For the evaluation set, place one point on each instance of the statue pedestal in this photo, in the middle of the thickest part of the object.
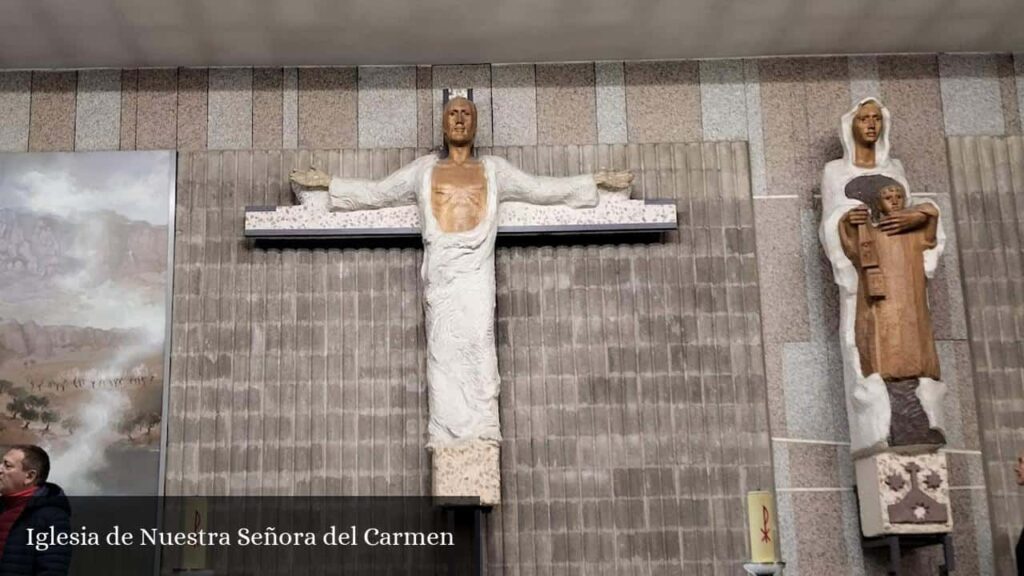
(469, 469)
(904, 494)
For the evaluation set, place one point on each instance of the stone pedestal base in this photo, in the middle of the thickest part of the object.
(470, 469)
(904, 494)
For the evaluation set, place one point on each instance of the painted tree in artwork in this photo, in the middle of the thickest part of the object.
(127, 426)
(16, 406)
(149, 420)
(29, 415)
(28, 407)
(6, 386)
(48, 417)
(70, 424)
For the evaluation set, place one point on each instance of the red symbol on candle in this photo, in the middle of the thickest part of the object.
(765, 530)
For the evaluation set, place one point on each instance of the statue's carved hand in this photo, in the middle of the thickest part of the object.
(857, 216)
(312, 178)
(902, 221)
(614, 181)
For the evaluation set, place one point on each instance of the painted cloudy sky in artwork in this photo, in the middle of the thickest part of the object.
(88, 230)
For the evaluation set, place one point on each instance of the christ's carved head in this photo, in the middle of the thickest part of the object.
(459, 121)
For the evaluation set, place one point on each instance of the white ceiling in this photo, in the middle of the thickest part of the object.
(128, 33)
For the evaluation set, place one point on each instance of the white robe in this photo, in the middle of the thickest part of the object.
(458, 283)
(867, 397)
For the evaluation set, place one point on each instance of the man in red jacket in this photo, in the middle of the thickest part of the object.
(28, 501)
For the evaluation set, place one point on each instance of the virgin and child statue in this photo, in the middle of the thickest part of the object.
(883, 246)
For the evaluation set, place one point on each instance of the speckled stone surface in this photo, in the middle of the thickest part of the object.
(1018, 70)
(780, 266)
(910, 89)
(981, 538)
(663, 101)
(610, 79)
(468, 469)
(313, 215)
(971, 101)
(267, 108)
(972, 536)
(424, 107)
(808, 465)
(231, 108)
(776, 387)
(129, 108)
(514, 98)
(566, 104)
(818, 528)
(475, 76)
(193, 108)
(876, 495)
(755, 128)
(960, 404)
(98, 110)
(962, 375)
(952, 410)
(156, 118)
(327, 108)
(15, 110)
(863, 78)
(787, 531)
(855, 557)
(387, 107)
(784, 124)
(1008, 93)
(966, 469)
(290, 109)
(723, 100)
(826, 98)
(815, 394)
(52, 122)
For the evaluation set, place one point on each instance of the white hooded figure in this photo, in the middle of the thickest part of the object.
(458, 259)
(458, 285)
(868, 404)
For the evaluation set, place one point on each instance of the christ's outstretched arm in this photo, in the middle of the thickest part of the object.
(348, 194)
(577, 191)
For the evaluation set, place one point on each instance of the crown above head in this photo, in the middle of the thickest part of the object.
(449, 93)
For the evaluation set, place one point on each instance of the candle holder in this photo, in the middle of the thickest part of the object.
(764, 568)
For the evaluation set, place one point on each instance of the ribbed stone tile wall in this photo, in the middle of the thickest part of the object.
(988, 185)
(633, 398)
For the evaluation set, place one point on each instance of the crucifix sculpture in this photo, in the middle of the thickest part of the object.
(457, 198)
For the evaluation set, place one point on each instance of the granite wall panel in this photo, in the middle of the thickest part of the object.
(52, 122)
(268, 108)
(156, 125)
(15, 110)
(193, 108)
(231, 113)
(663, 101)
(566, 104)
(98, 110)
(327, 107)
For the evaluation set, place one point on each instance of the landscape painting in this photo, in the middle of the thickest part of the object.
(84, 285)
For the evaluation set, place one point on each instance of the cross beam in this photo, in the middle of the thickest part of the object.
(514, 219)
